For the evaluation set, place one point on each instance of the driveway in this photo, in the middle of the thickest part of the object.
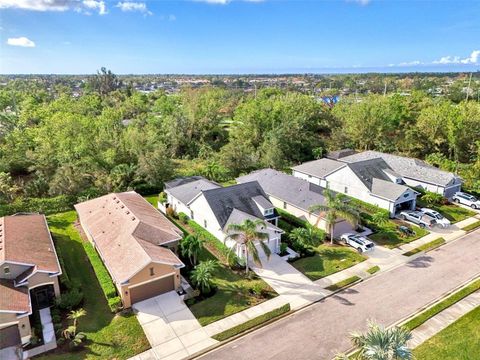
(321, 330)
(288, 282)
(170, 327)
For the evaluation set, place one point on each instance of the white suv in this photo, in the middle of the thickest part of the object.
(466, 199)
(440, 219)
(358, 242)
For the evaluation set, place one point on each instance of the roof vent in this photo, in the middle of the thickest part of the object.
(117, 201)
(133, 218)
(122, 206)
(127, 212)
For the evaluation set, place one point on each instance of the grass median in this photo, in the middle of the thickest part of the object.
(426, 247)
(343, 283)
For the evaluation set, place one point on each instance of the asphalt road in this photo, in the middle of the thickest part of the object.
(321, 330)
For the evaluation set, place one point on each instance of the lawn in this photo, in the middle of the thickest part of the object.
(152, 199)
(452, 212)
(388, 234)
(461, 340)
(234, 293)
(109, 336)
(327, 260)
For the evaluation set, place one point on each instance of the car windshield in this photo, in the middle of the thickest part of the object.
(439, 216)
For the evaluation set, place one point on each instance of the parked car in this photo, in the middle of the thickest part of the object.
(439, 218)
(466, 199)
(358, 242)
(419, 218)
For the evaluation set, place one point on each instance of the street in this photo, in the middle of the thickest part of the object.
(322, 330)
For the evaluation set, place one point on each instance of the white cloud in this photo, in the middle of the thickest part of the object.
(81, 6)
(95, 5)
(134, 6)
(472, 59)
(410, 63)
(225, 2)
(37, 5)
(360, 2)
(21, 41)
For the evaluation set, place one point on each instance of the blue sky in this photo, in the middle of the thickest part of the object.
(221, 36)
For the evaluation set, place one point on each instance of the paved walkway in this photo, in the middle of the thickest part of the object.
(444, 319)
(170, 327)
(48, 333)
(288, 282)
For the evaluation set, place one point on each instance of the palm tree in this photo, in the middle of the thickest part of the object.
(380, 218)
(248, 234)
(379, 343)
(307, 236)
(191, 246)
(202, 275)
(212, 170)
(336, 207)
(75, 315)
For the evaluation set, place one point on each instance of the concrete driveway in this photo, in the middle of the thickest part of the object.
(322, 330)
(288, 282)
(170, 327)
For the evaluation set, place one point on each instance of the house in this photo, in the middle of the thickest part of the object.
(215, 207)
(294, 195)
(29, 271)
(136, 243)
(413, 172)
(372, 181)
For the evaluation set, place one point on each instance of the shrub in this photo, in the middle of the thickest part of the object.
(183, 218)
(368, 208)
(171, 213)
(42, 205)
(257, 288)
(70, 299)
(115, 303)
(162, 197)
(431, 198)
(292, 219)
(283, 248)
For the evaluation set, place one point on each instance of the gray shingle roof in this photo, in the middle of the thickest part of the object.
(223, 201)
(387, 189)
(188, 190)
(368, 170)
(319, 168)
(295, 191)
(407, 167)
(182, 180)
(338, 154)
(238, 217)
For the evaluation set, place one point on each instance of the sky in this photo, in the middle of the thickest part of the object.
(238, 36)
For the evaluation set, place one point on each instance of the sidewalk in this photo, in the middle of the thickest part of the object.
(444, 319)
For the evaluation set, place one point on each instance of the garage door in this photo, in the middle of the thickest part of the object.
(450, 192)
(151, 289)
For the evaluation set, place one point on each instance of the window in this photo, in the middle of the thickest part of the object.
(346, 190)
(268, 212)
(205, 224)
(6, 270)
(152, 272)
(284, 205)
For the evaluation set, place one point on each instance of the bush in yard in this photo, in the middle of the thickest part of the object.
(431, 198)
(162, 197)
(202, 276)
(171, 213)
(257, 289)
(283, 248)
(70, 299)
(183, 218)
(115, 304)
(42, 205)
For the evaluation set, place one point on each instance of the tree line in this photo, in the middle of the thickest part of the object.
(113, 138)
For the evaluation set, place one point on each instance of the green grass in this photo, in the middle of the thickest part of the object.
(152, 199)
(109, 336)
(442, 305)
(373, 269)
(252, 323)
(452, 212)
(343, 283)
(472, 226)
(426, 247)
(460, 340)
(327, 260)
(234, 293)
(388, 235)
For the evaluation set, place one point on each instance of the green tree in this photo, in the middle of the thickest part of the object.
(247, 235)
(336, 206)
(380, 218)
(191, 246)
(202, 275)
(309, 236)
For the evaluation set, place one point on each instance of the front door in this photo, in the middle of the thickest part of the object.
(43, 296)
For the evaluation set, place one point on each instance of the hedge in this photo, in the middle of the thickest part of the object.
(373, 269)
(252, 323)
(368, 208)
(343, 283)
(291, 219)
(45, 206)
(103, 276)
(426, 247)
(220, 250)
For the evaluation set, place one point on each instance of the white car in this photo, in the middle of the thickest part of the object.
(360, 243)
(440, 219)
(419, 218)
(466, 199)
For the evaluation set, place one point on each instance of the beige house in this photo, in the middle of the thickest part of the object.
(29, 271)
(136, 242)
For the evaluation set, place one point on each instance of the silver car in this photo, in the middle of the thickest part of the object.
(466, 199)
(358, 242)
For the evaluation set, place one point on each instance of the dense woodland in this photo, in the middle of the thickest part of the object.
(113, 138)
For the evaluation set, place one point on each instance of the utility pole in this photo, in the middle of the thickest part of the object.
(385, 89)
(468, 87)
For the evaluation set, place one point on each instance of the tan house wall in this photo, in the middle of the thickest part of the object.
(159, 270)
(7, 319)
(39, 279)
